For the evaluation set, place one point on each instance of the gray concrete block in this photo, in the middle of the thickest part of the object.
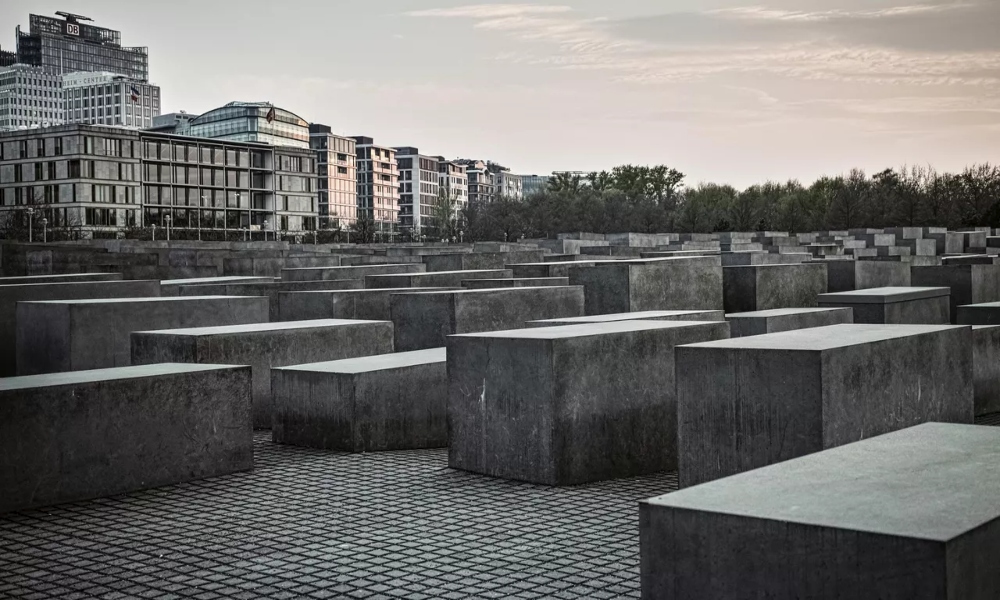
(979, 314)
(651, 284)
(436, 279)
(271, 290)
(389, 402)
(371, 305)
(479, 261)
(969, 284)
(753, 401)
(351, 272)
(11, 294)
(487, 284)
(568, 405)
(911, 515)
(425, 320)
(894, 305)
(651, 315)
(64, 278)
(171, 288)
(546, 269)
(764, 287)
(986, 358)
(75, 335)
(73, 436)
(786, 319)
(742, 259)
(264, 346)
(847, 275)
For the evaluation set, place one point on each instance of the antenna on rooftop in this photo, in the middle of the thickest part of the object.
(72, 17)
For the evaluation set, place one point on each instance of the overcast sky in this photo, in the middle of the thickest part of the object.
(724, 90)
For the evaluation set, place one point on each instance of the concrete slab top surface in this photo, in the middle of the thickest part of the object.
(984, 305)
(67, 285)
(378, 362)
(885, 295)
(433, 273)
(77, 377)
(825, 338)
(348, 267)
(785, 312)
(509, 290)
(148, 299)
(632, 316)
(978, 327)
(368, 291)
(586, 330)
(935, 482)
(3, 280)
(214, 280)
(260, 327)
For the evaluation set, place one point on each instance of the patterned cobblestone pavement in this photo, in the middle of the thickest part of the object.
(310, 524)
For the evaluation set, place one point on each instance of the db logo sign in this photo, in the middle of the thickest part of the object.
(72, 29)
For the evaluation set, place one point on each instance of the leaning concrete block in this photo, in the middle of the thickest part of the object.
(487, 284)
(753, 401)
(650, 284)
(786, 319)
(763, 287)
(986, 359)
(351, 272)
(69, 289)
(88, 434)
(75, 335)
(969, 284)
(436, 279)
(371, 305)
(263, 346)
(651, 315)
(568, 405)
(271, 290)
(911, 514)
(847, 275)
(425, 320)
(388, 402)
(894, 305)
(172, 287)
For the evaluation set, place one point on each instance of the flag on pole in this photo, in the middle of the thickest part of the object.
(270, 115)
(135, 94)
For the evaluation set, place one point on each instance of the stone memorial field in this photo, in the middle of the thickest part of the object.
(661, 416)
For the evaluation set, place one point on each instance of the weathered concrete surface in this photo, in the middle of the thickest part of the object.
(352, 272)
(979, 314)
(786, 319)
(986, 358)
(546, 269)
(753, 401)
(765, 287)
(271, 290)
(74, 436)
(425, 320)
(651, 315)
(371, 305)
(906, 516)
(66, 278)
(172, 287)
(75, 335)
(479, 261)
(264, 346)
(568, 405)
(69, 289)
(746, 259)
(436, 279)
(847, 275)
(273, 266)
(388, 402)
(651, 284)
(894, 305)
(969, 284)
(486, 284)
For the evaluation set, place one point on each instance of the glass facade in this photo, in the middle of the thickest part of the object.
(29, 97)
(249, 122)
(338, 177)
(68, 45)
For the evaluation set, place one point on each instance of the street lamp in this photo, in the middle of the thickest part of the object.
(203, 200)
(266, 224)
(168, 218)
(244, 233)
(154, 232)
(45, 237)
(31, 214)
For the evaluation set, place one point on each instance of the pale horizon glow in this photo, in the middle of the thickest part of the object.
(728, 91)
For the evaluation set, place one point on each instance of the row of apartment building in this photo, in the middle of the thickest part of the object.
(71, 91)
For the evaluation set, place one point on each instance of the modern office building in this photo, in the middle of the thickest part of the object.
(336, 163)
(98, 178)
(378, 185)
(178, 123)
(532, 184)
(252, 122)
(30, 97)
(419, 189)
(7, 57)
(69, 44)
(454, 182)
(109, 99)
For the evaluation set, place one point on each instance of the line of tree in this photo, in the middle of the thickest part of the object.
(654, 199)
